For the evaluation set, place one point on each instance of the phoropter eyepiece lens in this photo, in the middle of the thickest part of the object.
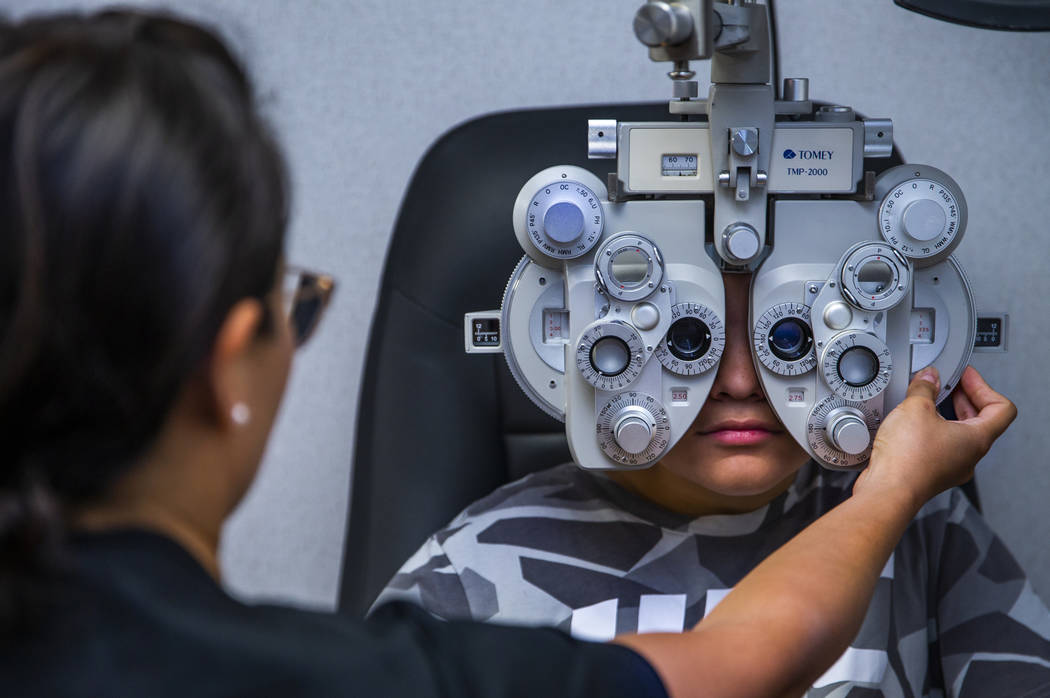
(858, 366)
(689, 338)
(610, 356)
(629, 267)
(790, 339)
(874, 277)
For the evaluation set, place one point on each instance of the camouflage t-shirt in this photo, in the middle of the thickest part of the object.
(952, 614)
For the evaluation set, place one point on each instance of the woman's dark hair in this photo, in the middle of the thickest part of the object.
(141, 197)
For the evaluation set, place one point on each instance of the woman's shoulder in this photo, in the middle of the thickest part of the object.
(149, 620)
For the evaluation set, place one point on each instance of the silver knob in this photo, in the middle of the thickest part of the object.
(796, 89)
(740, 242)
(847, 431)
(745, 141)
(662, 24)
(834, 112)
(634, 429)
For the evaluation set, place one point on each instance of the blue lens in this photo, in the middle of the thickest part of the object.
(790, 339)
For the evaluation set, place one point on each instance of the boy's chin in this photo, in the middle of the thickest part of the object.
(743, 475)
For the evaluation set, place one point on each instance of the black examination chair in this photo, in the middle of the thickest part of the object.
(436, 428)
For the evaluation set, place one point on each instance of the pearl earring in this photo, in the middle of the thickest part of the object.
(241, 414)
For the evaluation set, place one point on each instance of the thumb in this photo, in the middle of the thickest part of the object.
(926, 384)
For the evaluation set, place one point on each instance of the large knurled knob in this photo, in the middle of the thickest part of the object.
(634, 429)
(663, 24)
(848, 432)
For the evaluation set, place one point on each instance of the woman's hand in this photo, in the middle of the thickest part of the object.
(918, 451)
(823, 578)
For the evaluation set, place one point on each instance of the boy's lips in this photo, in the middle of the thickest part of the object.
(740, 432)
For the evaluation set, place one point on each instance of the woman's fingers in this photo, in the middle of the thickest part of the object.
(964, 409)
(925, 384)
(993, 412)
(993, 419)
(917, 446)
(978, 391)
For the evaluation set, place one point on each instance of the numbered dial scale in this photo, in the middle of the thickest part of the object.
(841, 432)
(610, 354)
(694, 342)
(565, 219)
(923, 212)
(783, 339)
(856, 365)
(633, 428)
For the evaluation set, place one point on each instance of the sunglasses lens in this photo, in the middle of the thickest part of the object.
(305, 296)
(305, 311)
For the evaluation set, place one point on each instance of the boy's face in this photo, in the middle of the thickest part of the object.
(737, 456)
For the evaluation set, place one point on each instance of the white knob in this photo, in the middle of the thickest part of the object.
(848, 432)
(634, 429)
(563, 222)
(924, 219)
(837, 315)
(645, 316)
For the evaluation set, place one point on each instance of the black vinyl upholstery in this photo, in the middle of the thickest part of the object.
(1011, 15)
(438, 428)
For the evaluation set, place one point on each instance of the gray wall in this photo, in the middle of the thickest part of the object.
(359, 90)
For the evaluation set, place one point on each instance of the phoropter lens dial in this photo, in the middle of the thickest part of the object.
(856, 365)
(783, 339)
(875, 276)
(694, 341)
(923, 212)
(790, 339)
(633, 428)
(565, 219)
(610, 354)
(688, 338)
(628, 267)
(841, 432)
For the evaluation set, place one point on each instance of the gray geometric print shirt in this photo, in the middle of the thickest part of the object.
(952, 614)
